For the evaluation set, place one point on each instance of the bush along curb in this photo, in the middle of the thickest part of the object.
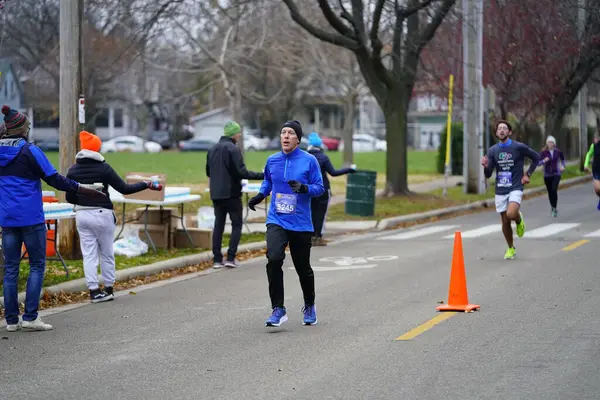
(394, 222)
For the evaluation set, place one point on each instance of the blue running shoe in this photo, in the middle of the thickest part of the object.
(310, 314)
(278, 317)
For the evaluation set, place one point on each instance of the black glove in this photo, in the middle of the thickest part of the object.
(255, 200)
(298, 187)
(90, 192)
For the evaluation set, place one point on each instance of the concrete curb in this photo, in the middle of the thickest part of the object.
(392, 222)
(78, 285)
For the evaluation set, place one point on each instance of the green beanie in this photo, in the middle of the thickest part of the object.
(232, 128)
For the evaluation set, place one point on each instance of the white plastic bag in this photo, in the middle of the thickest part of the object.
(130, 245)
(206, 218)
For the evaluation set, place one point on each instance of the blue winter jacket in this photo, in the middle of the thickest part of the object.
(22, 165)
(281, 168)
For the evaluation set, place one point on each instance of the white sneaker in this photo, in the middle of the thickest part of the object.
(218, 265)
(232, 264)
(36, 325)
(14, 327)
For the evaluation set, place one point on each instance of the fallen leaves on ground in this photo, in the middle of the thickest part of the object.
(52, 300)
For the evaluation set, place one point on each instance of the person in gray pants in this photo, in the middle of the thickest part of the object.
(95, 218)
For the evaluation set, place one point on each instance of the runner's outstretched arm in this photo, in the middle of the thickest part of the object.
(534, 156)
(315, 179)
(267, 184)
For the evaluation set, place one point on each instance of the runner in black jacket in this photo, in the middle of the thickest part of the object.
(225, 168)
(319, 204)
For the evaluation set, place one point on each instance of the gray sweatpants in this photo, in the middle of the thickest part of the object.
(96, 229)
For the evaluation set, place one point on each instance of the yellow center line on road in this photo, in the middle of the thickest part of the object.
(575, 245)
(426, 326)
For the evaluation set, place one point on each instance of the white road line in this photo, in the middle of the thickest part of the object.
(473, 233)
(344, 268)
(593, 234)
(549, 230)
(419, 232)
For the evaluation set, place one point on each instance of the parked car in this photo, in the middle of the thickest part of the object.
(331, 143)
(362, 143)
(196, 144)
(48, 144)
(134, 144)
(254, 143)
(162, 138)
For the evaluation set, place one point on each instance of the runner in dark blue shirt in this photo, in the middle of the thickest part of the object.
(507, 157)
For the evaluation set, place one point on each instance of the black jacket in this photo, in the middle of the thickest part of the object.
(226, 169)
(327, 166)
(89, 168)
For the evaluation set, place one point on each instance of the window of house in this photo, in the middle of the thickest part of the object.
(45, 118)
(102, 118)
(118, 117)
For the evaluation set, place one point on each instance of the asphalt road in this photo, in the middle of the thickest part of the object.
(535, 337)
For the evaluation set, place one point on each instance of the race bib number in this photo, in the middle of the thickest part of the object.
(504, 179)
(286, 203)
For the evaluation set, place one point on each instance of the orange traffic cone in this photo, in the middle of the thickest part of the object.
(457, 294)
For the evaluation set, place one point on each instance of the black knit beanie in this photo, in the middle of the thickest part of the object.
(295, 125)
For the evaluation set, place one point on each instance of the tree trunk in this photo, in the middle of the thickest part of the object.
(554, 122)
(235, 101)
(554, 127)
(347, 134)
(395, 113)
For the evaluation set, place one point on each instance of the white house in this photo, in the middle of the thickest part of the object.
(209, 125)
(11, 90)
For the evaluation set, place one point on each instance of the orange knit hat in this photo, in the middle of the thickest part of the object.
(89, 141)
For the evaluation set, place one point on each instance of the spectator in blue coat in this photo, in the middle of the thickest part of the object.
(22, 165)
(319, 204)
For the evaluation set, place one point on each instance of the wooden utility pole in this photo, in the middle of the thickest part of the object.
(582, 97)
(70, 60)
(472, 96)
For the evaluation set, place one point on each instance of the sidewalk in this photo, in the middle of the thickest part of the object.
(341, 226)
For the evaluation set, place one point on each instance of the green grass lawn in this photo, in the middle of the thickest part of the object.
(55, 272)
(189, 167)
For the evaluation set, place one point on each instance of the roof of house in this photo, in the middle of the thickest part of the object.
(208, 114)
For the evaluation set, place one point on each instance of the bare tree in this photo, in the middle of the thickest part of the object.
(338, 72)
(387, 38)
(114, 34)
(258, 62)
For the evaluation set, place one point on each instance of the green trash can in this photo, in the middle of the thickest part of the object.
(360, 193)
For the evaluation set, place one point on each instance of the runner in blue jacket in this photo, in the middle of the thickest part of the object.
(294, 177)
